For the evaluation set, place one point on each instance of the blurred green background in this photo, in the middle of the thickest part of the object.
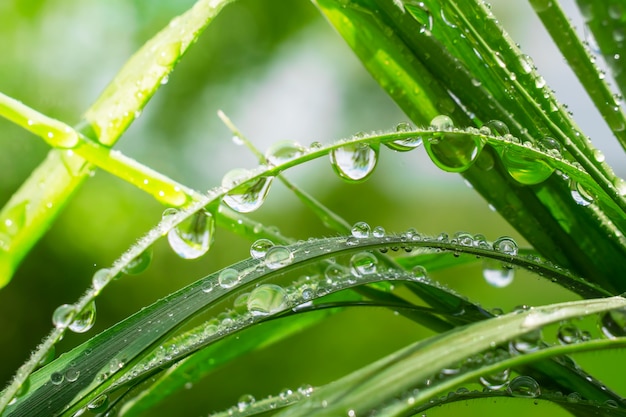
(280, 72)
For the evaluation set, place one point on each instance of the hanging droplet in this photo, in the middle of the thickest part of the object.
(193, 237)
(505, 245)
(354, 162)
(361, 230)
(405, 144)
(363, 263)
(579, 194)
(452, 151)
(246, 197)
(99, 404)
(139, 264)
(525, 169)
(528, 342)
(85, 320)
(100, 278)
(283, 151)
(524, 386)
(498, 128)
(569, 334)
(260, 247)
(613, 323)
(278, 257)
(63, 315)
(495, 381)
(497, 274)
(168, 54)
(228, 278)
(267, 299)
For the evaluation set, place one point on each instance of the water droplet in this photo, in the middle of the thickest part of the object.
(568, 334)
(378, 231)
(505, 245)
(56, 378)
(63, 315)
(281, 152)
(267, 299)
(452, 151)
(421, 13)
(72, 374)
(100, 278)
(363, 263)
(278, 257)
(528, 342)
(355, 161)
(525, 169)
(574, 397)
(99, 404)
(613, 323)
(245, 401)
(259, 248)
(524, 386)
(139, 264)
(193, 237)
(85, 320)
(598, 155)
(228, 278)
(497, 274)
(248, 196)
(496, 380)
(168, 54)
(306, 390)
(361, 230)
(405, 144)
(498, 128)
(579, 194)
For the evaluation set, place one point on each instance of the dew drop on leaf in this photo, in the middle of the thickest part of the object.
(361, 230)
(56, 378)
(524, 386)
(193, 237)
(452, 151)
(378, 231)
(267, 299)
(525, 169)
(228, 278)
(72, 374)
(354, 162)
(497, 274)
(506, 245)
(244, 402)
(406, 144)
(140, 263)
(568, 334)
(498, 128)
(580, 195)
(85, 320)
(246, 197)
(421, 14)
(100, 278)
(278, 257)
(283, 151)
(63, 315)
(613, 323)
(496, 380)
(260, 247)
(363, 263)
(99, 403)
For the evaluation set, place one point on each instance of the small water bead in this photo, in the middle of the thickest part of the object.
(228, 278)
(267, 299)
(99, 404)
(497, 274)
(85, 320)
(247, 196)
(406, 144)
(613, 323)
(452, 151)
(524, 168)
(598, 155)
(354, 162)
(56, 378)
(363, 263)
(278, 257)
(524, 387)
(581, 196)
(63, 316)
(506, 245)
(464, 239)
(192, 238)
(260, 247)
(72, 374)
(574, 397)
(333, 273)
(100, 278)
(361, 230)
(139, 264)
(245, 401)
(283, 151)
(378, 231)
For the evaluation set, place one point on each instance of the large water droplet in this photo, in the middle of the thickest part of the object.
(278, 257)
(523, 168)
(63, 315)
(140, 263)
(248, 196)
(283, 151)
(496, 380)
(361, 230)
(580, 195)
(528, 342)
(498, 128)
(452, 151)
(85, 320)
(497, 274)
(613, 323)
(524, 386)
(228, 278)
(363, 263)
(72, 374)
(506, 245)
(267, 299)
(260, 247)
(406, 144)
(355, 161)
(193, 237)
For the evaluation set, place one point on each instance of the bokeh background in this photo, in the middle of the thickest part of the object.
(280, 72)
